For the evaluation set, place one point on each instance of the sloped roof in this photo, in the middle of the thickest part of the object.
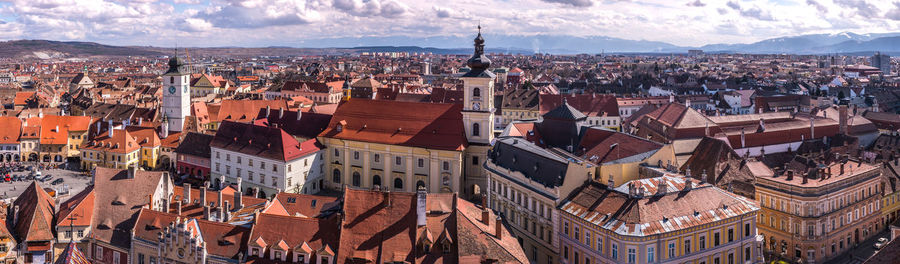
(12, 130)
(615, 210)
(78, 210)
(424, 125)
(309, 125)
(260, 141)
(195, 144)
(244, 110)
(299, 205)
(72, 255)
(118, 201)
(50, 135)
(35, 217)
(588, 104)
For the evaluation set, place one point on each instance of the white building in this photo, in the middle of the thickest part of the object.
(266, 158)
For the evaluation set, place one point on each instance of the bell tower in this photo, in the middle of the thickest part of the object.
(478, 118)
(176, 94)
(478, 107)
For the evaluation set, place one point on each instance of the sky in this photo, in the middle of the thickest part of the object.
(299, 23)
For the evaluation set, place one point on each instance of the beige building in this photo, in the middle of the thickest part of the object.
(816, 216)
(667, 219)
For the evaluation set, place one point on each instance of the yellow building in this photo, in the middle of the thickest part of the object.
(150, 146)
(817, 216)
(204, 84)
(61, 137)
(667, 219)
(383, 143)
(115, 149)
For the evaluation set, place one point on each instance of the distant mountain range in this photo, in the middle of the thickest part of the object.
(843, 43)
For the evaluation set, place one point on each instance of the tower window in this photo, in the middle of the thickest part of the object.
(171, 79)
(476, 92)
(476, 129)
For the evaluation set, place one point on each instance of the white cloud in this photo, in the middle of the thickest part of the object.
(295, 22)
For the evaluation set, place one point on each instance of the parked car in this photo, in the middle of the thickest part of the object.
(57, 181)
(879, 245)
(883, 240)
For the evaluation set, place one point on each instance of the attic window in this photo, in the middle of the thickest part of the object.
(291, 199)
(339, 128)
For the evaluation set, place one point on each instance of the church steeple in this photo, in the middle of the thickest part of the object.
(479, 62)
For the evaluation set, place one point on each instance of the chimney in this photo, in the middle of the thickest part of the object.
(178, 204)
(703, 177)
(225, 210)
(299, 114)
(239, 181)
(254, 192)
(238, 201)
(486, 216)
(206, 212)
(805, 178)
(187, 193)
(812, 127)
(203, 196)
(140, 120)
(612, 183)
(219, 203)
(421, 208)
(498, 228)
(131, 171)
(280, 112)
(221, 182)
(743, 140)
(661, 187)
(688, 184)
(15, 215)
(842, 119)
(842, 168)
(268, 109)
(790, 175)
(110, 128)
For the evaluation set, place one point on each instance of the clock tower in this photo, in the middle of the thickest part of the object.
(176, 94)
(478, 117)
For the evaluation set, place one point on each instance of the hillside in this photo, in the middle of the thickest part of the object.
(45, 49)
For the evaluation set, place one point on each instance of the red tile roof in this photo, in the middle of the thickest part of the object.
(423, 125)
(261, 141)
(34, 221)
(589, 104)
(245, 110)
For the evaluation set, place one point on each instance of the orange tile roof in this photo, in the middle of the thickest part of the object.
(78, 210)
(21, 97)
(49, 125)
(12, 130)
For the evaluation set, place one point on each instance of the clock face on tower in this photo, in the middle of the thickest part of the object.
(172, 89)
(476, 106)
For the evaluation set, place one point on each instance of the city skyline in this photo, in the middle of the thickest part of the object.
(313, 23)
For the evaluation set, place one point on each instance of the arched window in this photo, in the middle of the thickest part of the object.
(356, 179)
(398, 183)
(476, 92)
(476, 129)
(336, 176)
(376, 180)
(420, 183)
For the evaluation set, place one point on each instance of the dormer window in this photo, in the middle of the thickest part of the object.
(254, 251)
